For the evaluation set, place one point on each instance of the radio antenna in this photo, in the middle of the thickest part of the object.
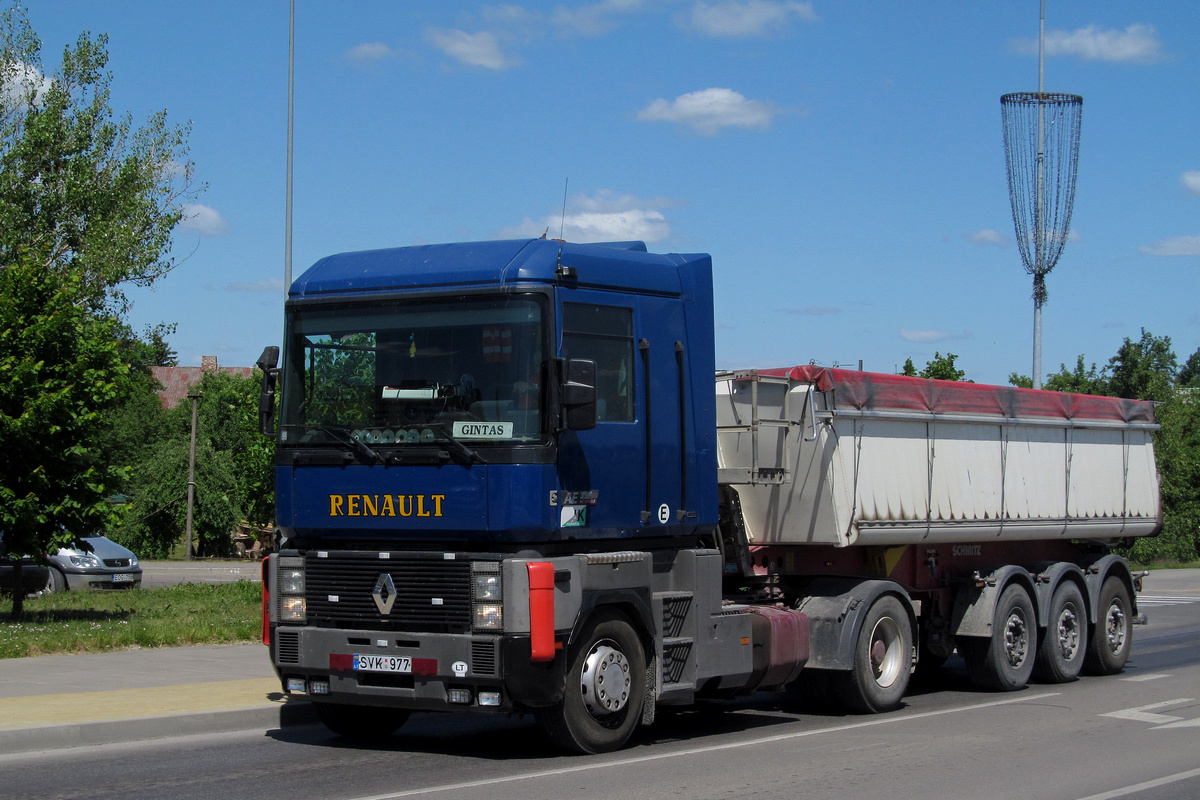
(563, 221)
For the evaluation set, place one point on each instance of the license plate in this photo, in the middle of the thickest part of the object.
(383, 663)
(122, 577)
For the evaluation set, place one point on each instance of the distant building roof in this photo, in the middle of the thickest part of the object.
(177, 380)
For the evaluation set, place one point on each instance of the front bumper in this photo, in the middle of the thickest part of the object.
(443, 666)
(102, 580)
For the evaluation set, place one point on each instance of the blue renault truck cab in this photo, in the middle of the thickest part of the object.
(496, 476)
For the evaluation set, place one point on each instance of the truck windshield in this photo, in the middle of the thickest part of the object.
(402, 374)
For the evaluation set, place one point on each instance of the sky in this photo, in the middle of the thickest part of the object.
(842, 161)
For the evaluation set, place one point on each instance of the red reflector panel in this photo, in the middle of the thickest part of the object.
(541, 611)
(341, 662)
(424, 666)
(266, 604)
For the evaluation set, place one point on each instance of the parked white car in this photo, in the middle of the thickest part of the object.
(94, 562)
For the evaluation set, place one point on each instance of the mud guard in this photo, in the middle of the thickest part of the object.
(835, 608)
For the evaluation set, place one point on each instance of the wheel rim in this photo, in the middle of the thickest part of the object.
(1114, 624)
(1016, 639)
(1068, 633)
(886, 656)
(605, 681)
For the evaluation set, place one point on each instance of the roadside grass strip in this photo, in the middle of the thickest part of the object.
(93, 622)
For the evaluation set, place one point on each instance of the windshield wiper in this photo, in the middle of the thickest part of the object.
(455, 446)
(359, 447)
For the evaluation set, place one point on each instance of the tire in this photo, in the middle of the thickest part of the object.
(55, 581)
(882, 660)
(1064, 644)
(606, 688)
(361, 723)
(1004, 661)
(1112, 635)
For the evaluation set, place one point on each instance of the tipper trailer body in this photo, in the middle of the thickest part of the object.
(507, 485)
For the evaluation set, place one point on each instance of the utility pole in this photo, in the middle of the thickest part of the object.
(194, 396)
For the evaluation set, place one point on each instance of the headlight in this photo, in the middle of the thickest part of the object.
(487, 587)
(85, 561)
(489, 616)
(291, 581)
(133, 561)
(291, 609)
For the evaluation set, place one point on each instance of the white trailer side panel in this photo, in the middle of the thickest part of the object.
(883, 475)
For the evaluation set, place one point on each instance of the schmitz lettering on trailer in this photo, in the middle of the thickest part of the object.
(967, 550)
(386, 505)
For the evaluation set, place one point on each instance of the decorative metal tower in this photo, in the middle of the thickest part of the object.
(1041, 154)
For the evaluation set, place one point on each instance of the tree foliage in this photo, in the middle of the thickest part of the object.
(87, 206)
(59, 372)
(93, 196)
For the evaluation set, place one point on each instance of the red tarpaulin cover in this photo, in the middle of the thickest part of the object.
(872, 391)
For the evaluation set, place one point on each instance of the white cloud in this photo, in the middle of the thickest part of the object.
(988, 236)
(1137, 43)
(1174, 246)
(274, 285)
(709, 110)
(736, 18)
(1191, 181)
(592, 19)
(203, 220)
(18, 81)
(368, 52)
(605, 217)
(473, 49)
(925, 337)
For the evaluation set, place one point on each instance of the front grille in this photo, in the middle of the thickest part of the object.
(287, 647)
(116, 562)
(433, 593)
(483, 657)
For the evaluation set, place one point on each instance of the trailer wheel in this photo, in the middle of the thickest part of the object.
(882, 660)
(1112, 635)
(1061, 652)
(1004, 661)
(606, 687)
(361, 723)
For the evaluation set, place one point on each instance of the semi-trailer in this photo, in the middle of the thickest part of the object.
(510, 480)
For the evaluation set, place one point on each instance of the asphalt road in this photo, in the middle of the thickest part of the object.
(1128, 736)
(168, 573)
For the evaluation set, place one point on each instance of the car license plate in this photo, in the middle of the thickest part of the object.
(383, 663)
(122, 577)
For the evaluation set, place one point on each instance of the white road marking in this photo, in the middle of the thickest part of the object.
(595, 764)
(1149, 676)
(1141, 787)
(1142, 713)
(1159, 600)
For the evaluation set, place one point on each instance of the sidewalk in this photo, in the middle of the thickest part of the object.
(96, 698)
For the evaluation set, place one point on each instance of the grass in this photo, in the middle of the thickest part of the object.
(92, 622)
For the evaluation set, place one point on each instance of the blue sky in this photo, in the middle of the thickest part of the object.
(842, 161)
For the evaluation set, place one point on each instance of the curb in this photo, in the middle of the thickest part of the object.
(295, 713)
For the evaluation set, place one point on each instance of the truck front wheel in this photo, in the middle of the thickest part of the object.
(606, 687)
(882, 660)
(360, 723)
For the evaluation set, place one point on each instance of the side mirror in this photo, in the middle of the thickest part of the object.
(578, 393)
(268, 362)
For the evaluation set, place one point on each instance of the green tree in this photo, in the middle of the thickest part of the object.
(910, 369)
(87, 205)
(1189, 373)
(59, 371)
(1081, 380)
(942, 368)
(1143, 370)
(97, 197)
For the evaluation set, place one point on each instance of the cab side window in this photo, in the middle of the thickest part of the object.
(604, 334)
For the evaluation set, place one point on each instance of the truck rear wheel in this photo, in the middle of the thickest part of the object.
(1004, 661)
(606, 687)
(882, 660)
(1061, 652)
(361, 723)
(1112, 635)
